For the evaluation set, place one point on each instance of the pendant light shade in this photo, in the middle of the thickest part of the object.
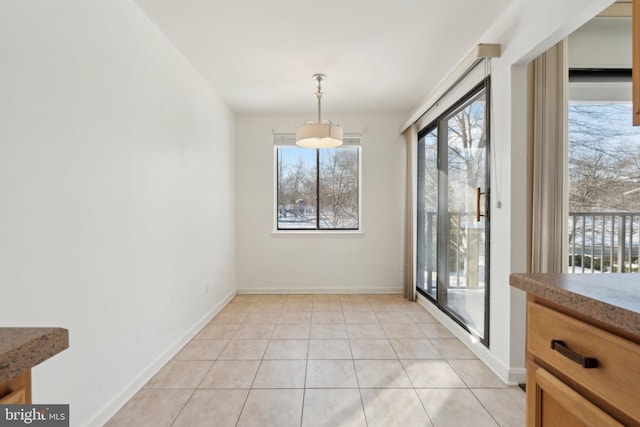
(319, 135)
(322, 134)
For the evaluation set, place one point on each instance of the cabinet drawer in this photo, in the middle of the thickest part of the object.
(615, 379)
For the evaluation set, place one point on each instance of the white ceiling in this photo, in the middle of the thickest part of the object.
(259, 55)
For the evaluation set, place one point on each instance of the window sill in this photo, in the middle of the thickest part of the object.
(318, 233)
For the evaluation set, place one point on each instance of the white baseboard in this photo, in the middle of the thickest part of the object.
(111, 407)
(339, 290)
(517, 376)
(508, 375)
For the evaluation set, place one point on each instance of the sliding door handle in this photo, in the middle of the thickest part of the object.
(478, 194)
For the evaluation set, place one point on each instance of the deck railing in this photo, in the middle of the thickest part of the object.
(602, 242)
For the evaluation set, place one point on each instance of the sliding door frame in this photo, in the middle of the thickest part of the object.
(440, 125)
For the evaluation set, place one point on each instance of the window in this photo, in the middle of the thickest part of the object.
(317, 189)
(604, 173)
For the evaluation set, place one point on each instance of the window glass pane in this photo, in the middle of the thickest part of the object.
(339, 187)
(466, 159)
(604, 158)
(604, 187)
(428, 212)
(296, 188)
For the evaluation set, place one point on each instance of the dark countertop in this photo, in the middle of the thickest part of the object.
(610, 298)
(23, 348)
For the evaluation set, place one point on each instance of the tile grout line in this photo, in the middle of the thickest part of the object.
(355, 372)
(255, 375)
(243, 406)
(183, 406)
(409, 378)
(485, 408)
(364, 413)
(304, 384)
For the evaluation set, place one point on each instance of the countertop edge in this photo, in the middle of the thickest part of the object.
(32, 353)
(617, 317)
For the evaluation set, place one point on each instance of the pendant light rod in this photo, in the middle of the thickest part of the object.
(319, 78)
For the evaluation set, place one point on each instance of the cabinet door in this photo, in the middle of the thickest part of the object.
(16, 397)
(16, 390)
(550, 402)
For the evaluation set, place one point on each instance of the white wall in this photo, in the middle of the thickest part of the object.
(367, 262)
(601, 43)
(117, 196)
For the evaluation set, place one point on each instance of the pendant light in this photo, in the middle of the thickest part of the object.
(322, 134)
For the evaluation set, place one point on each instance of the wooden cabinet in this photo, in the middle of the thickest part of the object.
(635, 17)
(578, 374)
(16, 391)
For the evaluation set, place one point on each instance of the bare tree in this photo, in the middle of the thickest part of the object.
(604, 158)
(339, 187)
(296, 189)
(466, 168)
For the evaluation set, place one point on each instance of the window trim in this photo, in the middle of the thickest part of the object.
(288, 139)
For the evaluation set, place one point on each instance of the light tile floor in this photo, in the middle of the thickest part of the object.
(324, 360)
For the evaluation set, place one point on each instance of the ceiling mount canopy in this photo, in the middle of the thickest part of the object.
(322, 134)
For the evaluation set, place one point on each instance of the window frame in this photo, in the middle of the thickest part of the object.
(288, 140)
(599, 85)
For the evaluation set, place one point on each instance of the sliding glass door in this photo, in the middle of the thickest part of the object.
(453, 228)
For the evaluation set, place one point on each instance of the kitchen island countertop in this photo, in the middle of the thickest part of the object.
(610, 299)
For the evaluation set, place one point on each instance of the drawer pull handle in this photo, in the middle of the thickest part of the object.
(585, 362)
